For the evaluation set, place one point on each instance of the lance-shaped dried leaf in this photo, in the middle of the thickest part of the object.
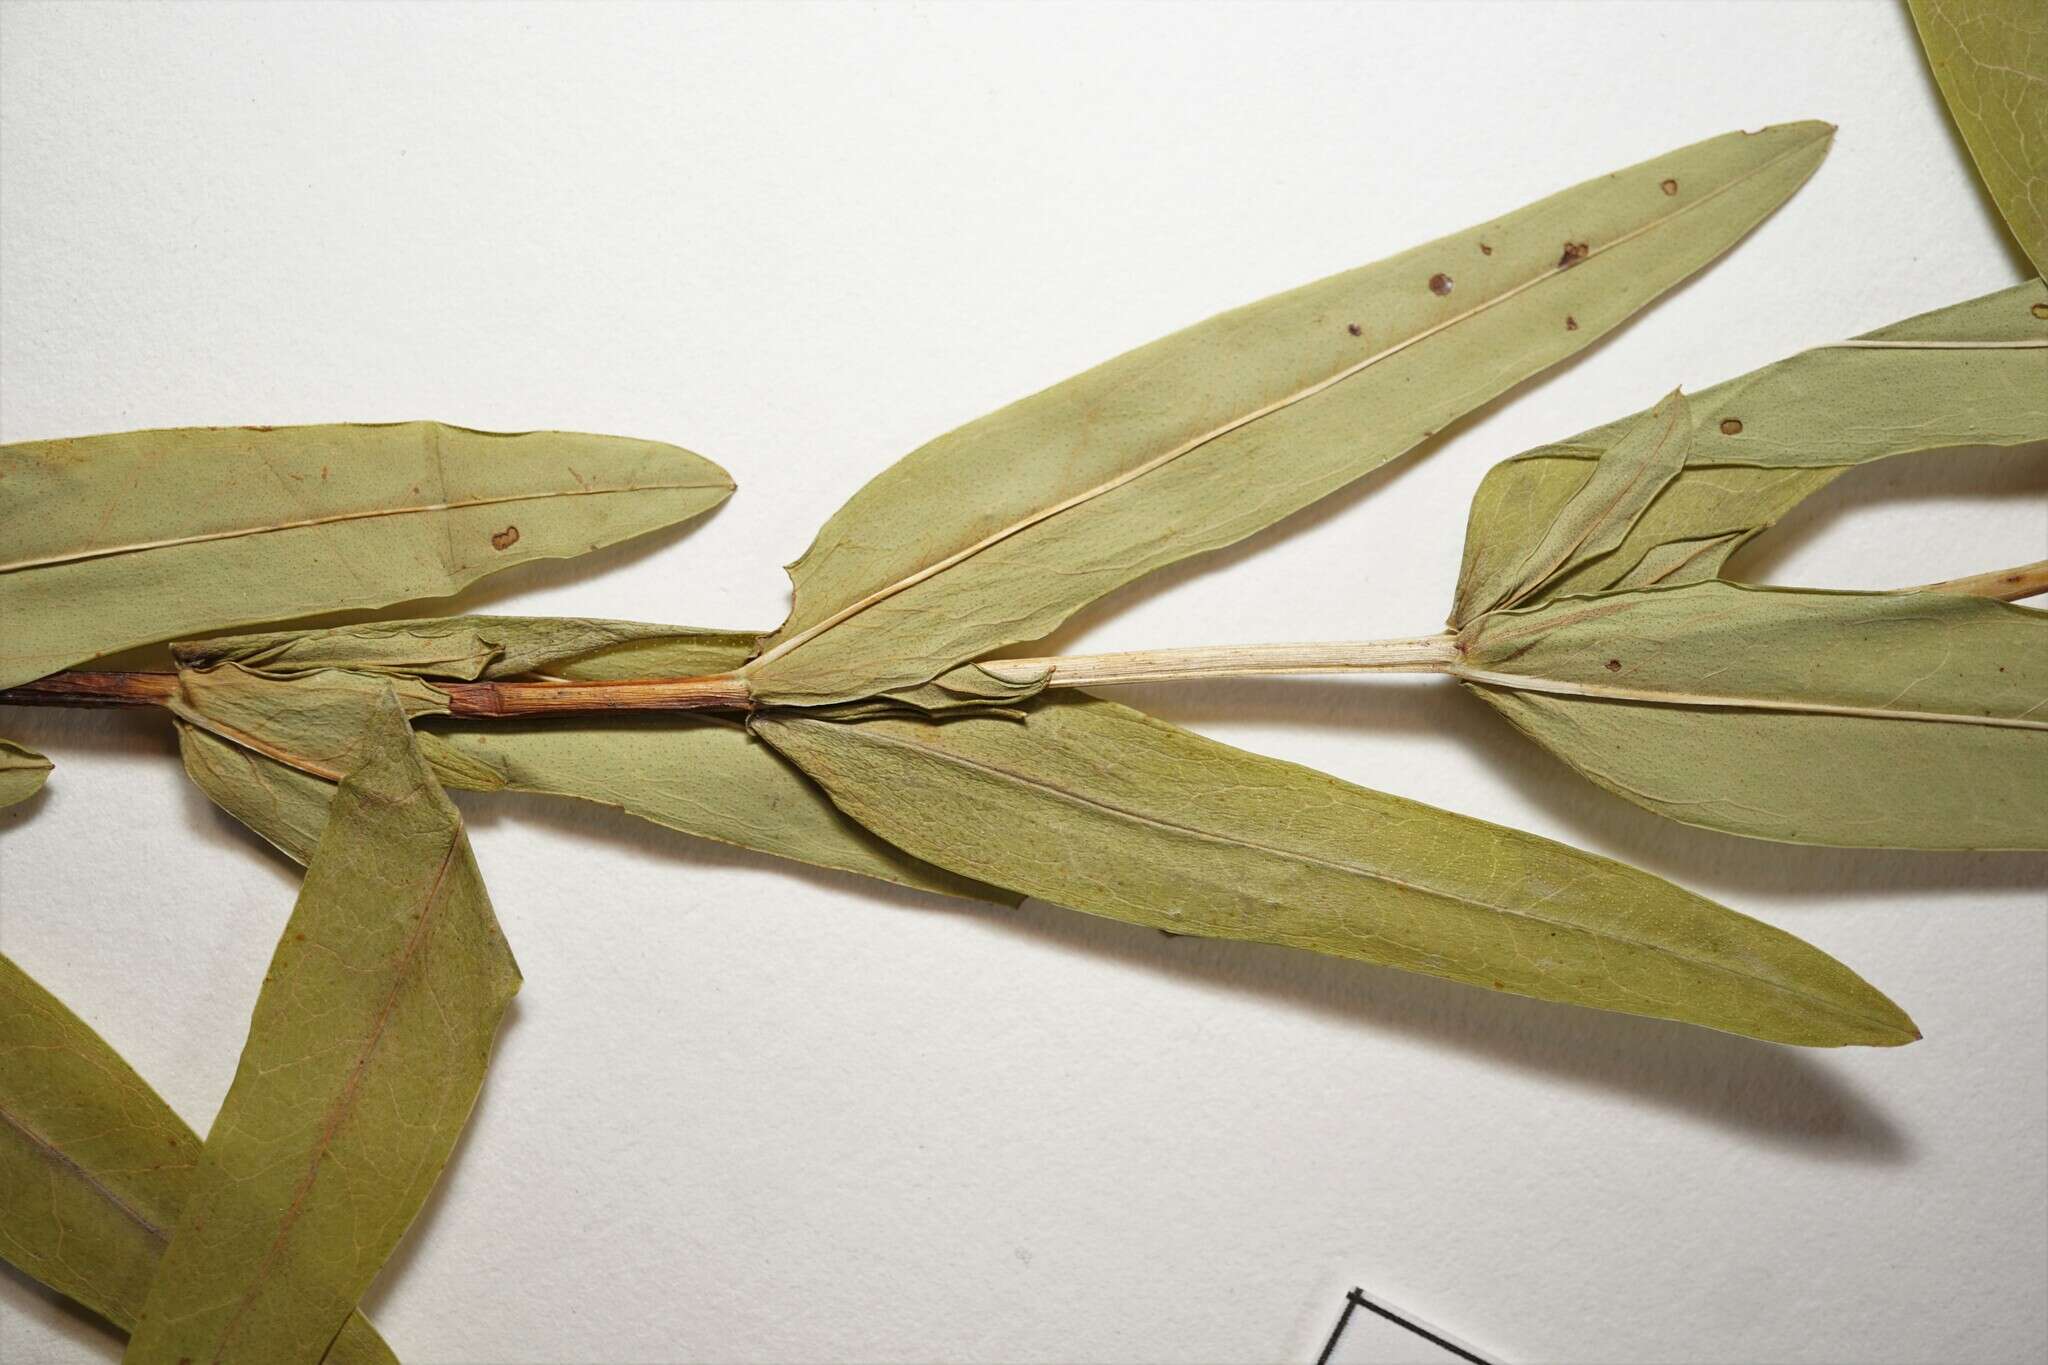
(365, 1055)
(1990, 58)
(22, 772)
(1901, 720)
(94, 1166)
(261, 737)
(1973, 374)
(1100, 808)
(995, 533)
(122, 540)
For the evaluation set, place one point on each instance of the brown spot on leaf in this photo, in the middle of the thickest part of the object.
(2039, 310)
(1669, 187)
(1355, 329)
(1439, 284)
(1571, 324)
(1485, 250)
(1574, 252)
(505, 539)
(1731, 426)
(1500, 985)
(1614, 665)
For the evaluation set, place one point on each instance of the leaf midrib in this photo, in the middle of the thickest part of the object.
(66, 1162)
(344, 1103)
(1523, 682)
(416, 509)
(939, 566)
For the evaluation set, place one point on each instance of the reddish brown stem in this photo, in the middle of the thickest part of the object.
(94, 689)
(716, 692)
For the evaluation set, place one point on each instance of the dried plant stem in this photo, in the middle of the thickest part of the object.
(713, 692)
(730, 692)
(1420, 654)
(82, 688)
(2007, 585)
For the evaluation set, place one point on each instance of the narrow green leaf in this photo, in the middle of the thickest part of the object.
(94, 1166)
(1108, 811)
(1973, 374)
(1900, 720)
(122, 540)
(262, 735)
(1990, 58)
(22, 773)
(365, 1055)
(995, 533)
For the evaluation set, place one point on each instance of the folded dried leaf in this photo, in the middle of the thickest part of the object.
(365, 1055)
(1754, 447)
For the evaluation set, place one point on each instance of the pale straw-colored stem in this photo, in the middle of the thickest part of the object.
(1421, 654)
(2007, 585)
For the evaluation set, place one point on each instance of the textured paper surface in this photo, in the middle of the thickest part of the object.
(746, 1111)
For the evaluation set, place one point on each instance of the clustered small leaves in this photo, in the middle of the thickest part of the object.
(879, 731)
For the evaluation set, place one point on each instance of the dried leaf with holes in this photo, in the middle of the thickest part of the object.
(994, 533)
(1753, 448)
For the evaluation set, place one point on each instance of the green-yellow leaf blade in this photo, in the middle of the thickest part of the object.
(1990, 58)
(1103, 809)
(122, 540)
(22, 773)
(94, 1166)
(1969, 375)
(365, 1055)
(996, 532)
(1902, 720)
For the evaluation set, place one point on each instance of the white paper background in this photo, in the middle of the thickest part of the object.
(749, 1111)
